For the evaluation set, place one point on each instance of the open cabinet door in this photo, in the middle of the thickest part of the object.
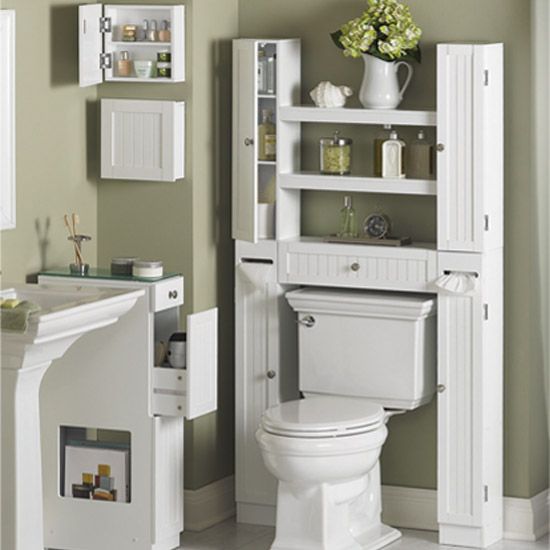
(245, 148)
(90, 45)
(202, 363)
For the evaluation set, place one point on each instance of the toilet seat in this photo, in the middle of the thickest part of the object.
(323, 417)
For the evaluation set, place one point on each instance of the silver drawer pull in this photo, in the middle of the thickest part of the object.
(355, 266)
(308, 321)
(271, 374)
(248, 142)
(172, 294)
(441, 388)
(440, 147)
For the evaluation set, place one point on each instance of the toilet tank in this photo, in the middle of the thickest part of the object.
(377, 345)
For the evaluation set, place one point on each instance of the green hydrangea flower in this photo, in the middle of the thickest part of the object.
(385, 29)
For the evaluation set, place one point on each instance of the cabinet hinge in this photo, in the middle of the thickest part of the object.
(105, 61)
(104, 24)
(486, 312)
(486, 77)
(486, 493)
(486, 222)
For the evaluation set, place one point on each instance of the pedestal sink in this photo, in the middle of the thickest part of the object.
(67, 313)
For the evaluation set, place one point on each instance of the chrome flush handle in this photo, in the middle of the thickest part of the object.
(308, 321)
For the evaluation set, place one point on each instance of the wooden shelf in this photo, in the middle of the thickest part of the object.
(135, 43)
(395, 117)
(358, 184)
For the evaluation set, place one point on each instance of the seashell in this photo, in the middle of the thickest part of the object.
(326, 94)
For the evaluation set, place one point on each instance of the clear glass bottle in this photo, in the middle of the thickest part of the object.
(380, 138)
(336, 155)
(124, 64)
(267, 137)
(393, 157)
(420, 163)
(152, 33)
(348, 220)
(262, 71)
(271, 72)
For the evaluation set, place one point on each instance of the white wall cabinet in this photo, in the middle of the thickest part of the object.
(142, 139)
(470, 147)
(100, 41)
(253, 219)
(266, 371)
(469, 191)
(110, 382)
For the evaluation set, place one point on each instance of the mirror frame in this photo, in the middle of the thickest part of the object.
(7, 119)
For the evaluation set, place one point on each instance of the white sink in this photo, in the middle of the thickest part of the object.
(66, 314)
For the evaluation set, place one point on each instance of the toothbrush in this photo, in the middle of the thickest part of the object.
(78, 255)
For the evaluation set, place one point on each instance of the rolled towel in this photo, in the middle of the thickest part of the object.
(16, 318)
(457, 282)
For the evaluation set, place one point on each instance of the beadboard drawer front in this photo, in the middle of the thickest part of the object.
(167, 294)
(357, 266)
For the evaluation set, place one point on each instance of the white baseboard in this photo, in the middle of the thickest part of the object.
(525, 519)
(209, 505)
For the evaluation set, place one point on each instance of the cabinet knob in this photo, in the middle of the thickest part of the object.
(271, 374)
(440, 147)
(172, 294)
(308, 321)
(355, 266)
(248, 142)
(441, 388)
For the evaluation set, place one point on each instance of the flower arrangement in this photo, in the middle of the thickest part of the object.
(385, 30)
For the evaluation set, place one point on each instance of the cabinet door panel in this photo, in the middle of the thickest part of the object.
(90, 45)
(245, 189)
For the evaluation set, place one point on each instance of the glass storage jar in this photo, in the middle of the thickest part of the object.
(336, 155)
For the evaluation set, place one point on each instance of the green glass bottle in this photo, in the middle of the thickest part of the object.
(348, 220)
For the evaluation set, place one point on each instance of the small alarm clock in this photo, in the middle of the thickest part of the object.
(377, 226)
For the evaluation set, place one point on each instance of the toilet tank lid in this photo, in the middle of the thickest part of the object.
(350, 301)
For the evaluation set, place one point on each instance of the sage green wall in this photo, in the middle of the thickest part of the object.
(186, 223)
(55, 160)
(413, 436)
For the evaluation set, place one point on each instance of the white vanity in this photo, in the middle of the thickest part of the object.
(468, 124)
(108, 391)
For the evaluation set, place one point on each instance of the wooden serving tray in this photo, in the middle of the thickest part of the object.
(387, 241)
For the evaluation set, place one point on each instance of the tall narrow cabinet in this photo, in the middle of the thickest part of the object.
(469, 191)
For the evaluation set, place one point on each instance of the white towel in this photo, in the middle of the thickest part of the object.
(457, 282)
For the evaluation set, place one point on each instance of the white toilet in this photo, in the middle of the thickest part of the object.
(363, 356)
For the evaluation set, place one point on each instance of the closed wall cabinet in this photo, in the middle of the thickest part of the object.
(142, 139)
(266, 373)
(115, 39)
(470, 147)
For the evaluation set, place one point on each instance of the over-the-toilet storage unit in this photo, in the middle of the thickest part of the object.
(469, 191)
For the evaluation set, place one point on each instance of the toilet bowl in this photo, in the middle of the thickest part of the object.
(325, 452)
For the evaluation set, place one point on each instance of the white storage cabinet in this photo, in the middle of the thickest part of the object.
(142, 139)
(100, 41)
(469, 189)
(110, 382)
(266, 371)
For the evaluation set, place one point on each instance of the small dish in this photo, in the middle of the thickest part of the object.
(145, 69)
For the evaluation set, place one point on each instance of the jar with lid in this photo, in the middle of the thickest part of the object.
(336, 155)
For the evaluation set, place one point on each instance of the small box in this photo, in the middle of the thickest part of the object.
(87, 479)
(104, 470)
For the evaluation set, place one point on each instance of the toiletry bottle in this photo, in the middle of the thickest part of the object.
(262, 71)
(124, 64)
(164, 34)
(144, 31)
(393, 157)
(267, 137)
(420, 161)
(380, 138)
(271, 64)
(153, 33)
(348, 220)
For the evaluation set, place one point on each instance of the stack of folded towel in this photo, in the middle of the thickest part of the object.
(14, 313)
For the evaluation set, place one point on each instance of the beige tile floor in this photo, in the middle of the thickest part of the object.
(231, 536)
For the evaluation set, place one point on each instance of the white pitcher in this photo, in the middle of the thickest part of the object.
(380, 86)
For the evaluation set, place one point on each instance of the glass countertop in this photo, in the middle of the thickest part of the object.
(104, 273)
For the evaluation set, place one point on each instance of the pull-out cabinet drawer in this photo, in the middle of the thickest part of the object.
(167, 294)
(357, 266)
(193, 391)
